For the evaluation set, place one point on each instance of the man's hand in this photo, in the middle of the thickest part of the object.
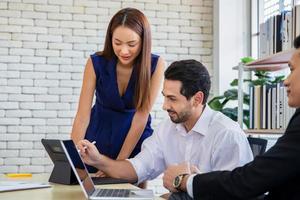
(100, 174)
(194, 169)
(89, 152)
(171, 172)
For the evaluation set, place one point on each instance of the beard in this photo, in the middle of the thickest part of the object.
(180, 117)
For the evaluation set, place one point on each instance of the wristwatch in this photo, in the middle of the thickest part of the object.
(177, 180)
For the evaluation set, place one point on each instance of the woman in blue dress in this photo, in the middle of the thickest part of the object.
(125, 78)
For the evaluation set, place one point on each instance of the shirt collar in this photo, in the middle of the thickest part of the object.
(202, 124)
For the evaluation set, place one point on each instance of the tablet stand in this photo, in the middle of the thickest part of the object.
(62, 173)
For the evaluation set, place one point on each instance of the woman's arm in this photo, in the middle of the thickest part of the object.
(140, 117)
(82, 118)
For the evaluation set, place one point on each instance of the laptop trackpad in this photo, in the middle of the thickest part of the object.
(141, 193)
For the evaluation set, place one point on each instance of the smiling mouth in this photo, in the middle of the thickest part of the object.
(171, 113)
(125, 58)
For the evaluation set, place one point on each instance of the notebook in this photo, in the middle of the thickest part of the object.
(6, 186)
(87, 184)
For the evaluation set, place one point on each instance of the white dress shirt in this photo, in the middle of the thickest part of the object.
(215, 143)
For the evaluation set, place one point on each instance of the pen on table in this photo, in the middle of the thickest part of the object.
(21, 175)
(94, 142)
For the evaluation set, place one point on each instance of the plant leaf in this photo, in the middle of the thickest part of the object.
(262, 74)
(235, 82)
(215, 105)
(261, 81)
(247, 59)
(278, 79)
(217, 97)
(231, 113)
(231, 94)
(246, 119)
(246, 99)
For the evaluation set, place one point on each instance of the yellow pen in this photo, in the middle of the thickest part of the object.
(20, 175)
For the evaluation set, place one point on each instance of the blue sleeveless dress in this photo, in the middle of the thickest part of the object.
(112, 114)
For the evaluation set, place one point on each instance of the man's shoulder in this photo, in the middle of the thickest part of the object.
(222, 127)
(295, 120)
(222, 121)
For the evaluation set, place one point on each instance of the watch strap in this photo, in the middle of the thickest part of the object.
(180, 176)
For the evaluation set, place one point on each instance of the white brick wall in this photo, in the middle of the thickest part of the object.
(44, 45)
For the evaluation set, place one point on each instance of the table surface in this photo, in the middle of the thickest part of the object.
(57, 191)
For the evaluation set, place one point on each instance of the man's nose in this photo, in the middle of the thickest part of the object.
(286, 81)
(165, 105)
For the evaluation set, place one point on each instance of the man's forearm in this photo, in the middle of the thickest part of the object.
(117, 168)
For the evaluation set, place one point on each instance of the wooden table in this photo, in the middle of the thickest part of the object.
(57, 191)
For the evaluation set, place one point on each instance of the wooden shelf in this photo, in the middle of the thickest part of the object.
(270, 67)
(265, 67)
(273, 62)
(264, 131)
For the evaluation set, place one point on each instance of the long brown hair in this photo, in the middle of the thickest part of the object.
(136, 21)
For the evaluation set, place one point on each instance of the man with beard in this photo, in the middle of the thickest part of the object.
(275, 173)
(194, 134)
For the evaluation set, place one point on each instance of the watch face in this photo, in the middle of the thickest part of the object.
(177, 181)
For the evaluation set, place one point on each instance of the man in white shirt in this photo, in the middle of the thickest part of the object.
(274, 175)
(194, 134)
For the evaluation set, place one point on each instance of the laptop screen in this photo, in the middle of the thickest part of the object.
(79, 166)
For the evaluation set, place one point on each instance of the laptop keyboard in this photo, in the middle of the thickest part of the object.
(113, 193)
(107, 180)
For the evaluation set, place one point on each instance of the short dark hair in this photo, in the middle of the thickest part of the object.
(297, 42)
(193, 75)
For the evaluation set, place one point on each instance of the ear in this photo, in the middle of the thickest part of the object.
(198, 98)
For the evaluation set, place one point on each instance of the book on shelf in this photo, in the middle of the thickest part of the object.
(278, 32)
(280, 108)
(296, 21)
(263, 113)
(257, 106)
(269, 108)
(277, 105)
(251, 105)
(273, 106)
(286, 30)
(278, 35)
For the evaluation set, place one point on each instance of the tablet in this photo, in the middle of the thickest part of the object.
(62, 172)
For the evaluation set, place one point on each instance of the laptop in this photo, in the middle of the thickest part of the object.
(62, 172)
(88, 186)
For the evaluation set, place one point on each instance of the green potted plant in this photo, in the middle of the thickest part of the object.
(219, 103)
